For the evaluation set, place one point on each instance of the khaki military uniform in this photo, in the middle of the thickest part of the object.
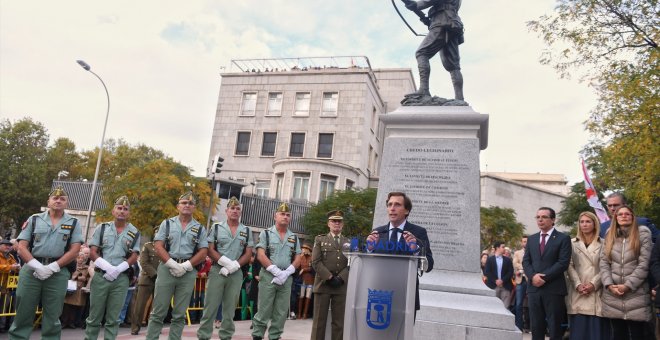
(149, 263)
(328, 260)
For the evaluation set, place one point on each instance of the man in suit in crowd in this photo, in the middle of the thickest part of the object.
(399, 231)
(499, 273)
(547, 256)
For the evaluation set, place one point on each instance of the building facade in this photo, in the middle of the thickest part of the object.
(298, 129)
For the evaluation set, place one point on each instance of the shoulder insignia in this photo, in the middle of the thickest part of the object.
(131, 234)
(291, 239)
(194, 230)
(67, 227)
(242, 233)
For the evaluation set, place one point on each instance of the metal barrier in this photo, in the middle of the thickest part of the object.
(8, 285)
(258, 212)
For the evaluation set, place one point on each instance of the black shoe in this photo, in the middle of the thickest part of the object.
(135, 332)
(257, 338)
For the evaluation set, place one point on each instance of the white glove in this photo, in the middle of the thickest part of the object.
(111, 274)
(175, 269)
(290, 270)
(234, 267)
(282, 276)
(224, 271)
(41, 272)
(187, 266)
(224, 261)
(276, 280)
(103, 264)
(273, 269)
(122, 267)
(54, 267)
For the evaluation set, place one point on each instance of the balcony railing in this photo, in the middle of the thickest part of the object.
(258, 212)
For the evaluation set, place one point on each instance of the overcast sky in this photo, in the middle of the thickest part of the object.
(161, 62)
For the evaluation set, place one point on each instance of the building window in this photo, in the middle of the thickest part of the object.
(242, 143)
(297, 144)
(249, 103)
(262, 187)
(327, 186)
(279, 181)
(349, 184)
(325, 145)
(268, 144)
(302, 104)
(374, 120)
(330, 100)
(274, 104)
(300, 186)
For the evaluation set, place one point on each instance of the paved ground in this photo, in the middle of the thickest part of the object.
(293, 330)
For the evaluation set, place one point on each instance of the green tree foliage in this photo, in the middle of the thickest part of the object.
(500, 224)
(154, 189)
(357, 205)
(22, 157)
(615, 44)
(62, 156)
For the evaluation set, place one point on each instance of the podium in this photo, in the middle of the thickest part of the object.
(380, 297)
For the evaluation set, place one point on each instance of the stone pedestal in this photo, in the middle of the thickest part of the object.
(432, 154)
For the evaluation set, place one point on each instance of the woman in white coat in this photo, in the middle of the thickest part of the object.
(584, 284)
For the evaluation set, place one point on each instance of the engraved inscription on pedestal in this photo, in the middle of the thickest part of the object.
(441, 176)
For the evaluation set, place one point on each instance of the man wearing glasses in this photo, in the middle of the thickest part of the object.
(180, 243)
(546, 258)
(616, 200)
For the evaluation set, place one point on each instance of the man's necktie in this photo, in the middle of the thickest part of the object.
(542, 247)
(337, 241)
(394, 237)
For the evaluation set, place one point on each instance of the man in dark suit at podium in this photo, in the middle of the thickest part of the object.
(404, 237)
(547, 256)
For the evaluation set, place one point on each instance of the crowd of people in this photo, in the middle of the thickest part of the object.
(598, 285)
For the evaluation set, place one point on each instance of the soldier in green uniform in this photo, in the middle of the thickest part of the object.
(180, 244)
(331, 268)
(146, 281)
(230, 248)
(278, 251)
(114, 248)
(48, 242)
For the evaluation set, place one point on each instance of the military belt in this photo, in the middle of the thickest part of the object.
(46, 260)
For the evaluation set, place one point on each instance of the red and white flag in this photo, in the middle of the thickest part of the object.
(592, 196)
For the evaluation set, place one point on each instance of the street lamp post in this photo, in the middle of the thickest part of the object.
(98, 160)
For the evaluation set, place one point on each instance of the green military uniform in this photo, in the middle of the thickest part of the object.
(146, 281)
(221, 288)
(49, 245)
(182, 245)
(274, 299)
(328, 261)
(107, 297)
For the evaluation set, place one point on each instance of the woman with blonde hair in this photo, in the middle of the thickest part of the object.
(584, 284)
(624, 265)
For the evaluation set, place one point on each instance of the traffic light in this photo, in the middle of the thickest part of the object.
(217, 164)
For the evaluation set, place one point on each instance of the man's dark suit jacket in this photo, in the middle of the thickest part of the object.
(422, 241)
(490, 271)
(553, 263)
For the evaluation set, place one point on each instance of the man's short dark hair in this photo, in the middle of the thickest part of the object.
(552, 211)
(525, 236)
(624, 201)
(407, 203)
(497, 244)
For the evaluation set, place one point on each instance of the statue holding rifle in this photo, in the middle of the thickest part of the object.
(445, 34)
